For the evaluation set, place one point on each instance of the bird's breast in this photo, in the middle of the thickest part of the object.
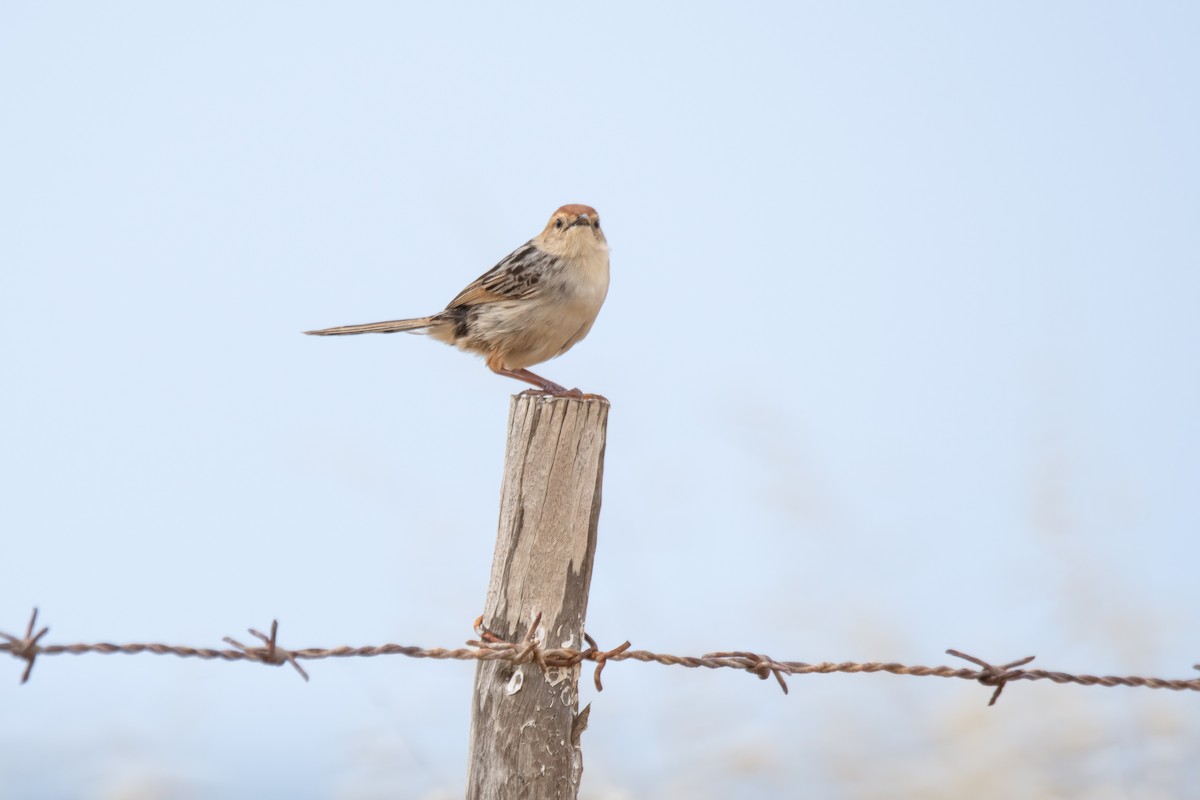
(585, 281)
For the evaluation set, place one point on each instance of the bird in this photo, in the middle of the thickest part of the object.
(536, 304)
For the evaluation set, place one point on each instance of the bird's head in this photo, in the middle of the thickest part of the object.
(573, 230)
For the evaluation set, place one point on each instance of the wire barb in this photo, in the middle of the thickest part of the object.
(593, 653)
(993, 675)
(530, 647)
(271, 654)
(26, 648)
(762, 666)
(483, 633)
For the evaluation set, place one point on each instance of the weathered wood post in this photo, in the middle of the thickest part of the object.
(521, 719)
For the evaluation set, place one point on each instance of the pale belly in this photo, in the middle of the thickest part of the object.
(529, 333)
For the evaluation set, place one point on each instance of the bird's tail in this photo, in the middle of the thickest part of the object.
(391, 326)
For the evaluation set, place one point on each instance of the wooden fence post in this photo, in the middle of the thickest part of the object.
(524, 734)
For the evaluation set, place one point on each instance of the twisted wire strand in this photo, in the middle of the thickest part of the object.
(490, 648)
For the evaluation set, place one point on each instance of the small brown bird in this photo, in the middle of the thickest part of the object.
(532, 306)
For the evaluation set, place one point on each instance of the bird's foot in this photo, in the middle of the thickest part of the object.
(554, 390)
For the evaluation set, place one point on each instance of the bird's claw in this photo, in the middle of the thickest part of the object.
(557, 391)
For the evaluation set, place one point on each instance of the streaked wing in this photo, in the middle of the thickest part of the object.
(518, 276)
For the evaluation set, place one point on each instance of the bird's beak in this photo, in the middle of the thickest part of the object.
(582, 219)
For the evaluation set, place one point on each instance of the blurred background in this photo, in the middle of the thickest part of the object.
(901, 343)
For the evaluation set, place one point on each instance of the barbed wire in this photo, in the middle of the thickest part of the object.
(489, 647)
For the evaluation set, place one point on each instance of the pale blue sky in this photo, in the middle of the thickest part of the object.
(902, 346)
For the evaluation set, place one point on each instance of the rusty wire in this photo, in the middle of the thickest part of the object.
(490, 647)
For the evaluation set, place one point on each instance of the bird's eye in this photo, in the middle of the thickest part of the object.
(558, 223)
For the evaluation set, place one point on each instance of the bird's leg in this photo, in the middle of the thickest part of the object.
(496, 365)
(543, 386)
